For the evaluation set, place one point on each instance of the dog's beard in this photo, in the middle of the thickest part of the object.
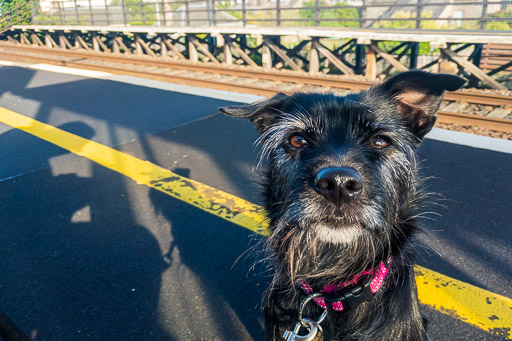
(345, 235)
(313, 242)
(334, 224)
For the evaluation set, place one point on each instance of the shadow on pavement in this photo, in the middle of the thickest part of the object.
(76, 265)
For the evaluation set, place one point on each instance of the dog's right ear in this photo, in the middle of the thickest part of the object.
(262, 113)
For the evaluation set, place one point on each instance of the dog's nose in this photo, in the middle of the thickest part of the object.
(338, 184)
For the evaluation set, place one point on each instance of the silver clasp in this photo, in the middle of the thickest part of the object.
(313, 330)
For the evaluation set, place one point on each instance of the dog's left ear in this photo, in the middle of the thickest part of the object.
(262, 113)
(419, 95)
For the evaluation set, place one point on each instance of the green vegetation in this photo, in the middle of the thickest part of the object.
(9, 5)
(139, 13)
(14, 12)
(408, 22)
(498, 26)
(338, 13)
(226, 6)
(505, 24)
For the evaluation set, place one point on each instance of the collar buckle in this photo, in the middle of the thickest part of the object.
(352, 297)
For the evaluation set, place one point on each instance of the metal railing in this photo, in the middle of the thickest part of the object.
(398, 14)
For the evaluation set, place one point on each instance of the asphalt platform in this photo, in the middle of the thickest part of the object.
(88, 254)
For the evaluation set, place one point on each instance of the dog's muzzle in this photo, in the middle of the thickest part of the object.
(338, 184)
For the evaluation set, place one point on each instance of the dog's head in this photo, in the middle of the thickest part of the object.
(344, 167)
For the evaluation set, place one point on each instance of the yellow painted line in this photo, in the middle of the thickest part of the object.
(212, 200)
(465, 302)
(481, 308)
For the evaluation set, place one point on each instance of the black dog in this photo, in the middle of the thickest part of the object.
(342, 193)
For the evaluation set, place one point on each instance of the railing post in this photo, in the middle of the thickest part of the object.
(317, 13)
(125, 23)
(243, 14)
(32, 15)
(362, 14)
(214, 21)
(142, 12)
(418, 14)
(106, 13)
(162, 12)
(76, 13)
(209, 12)
(60, 13)
(187, 13)
(278, 12)
(90, 13)
(483, 22)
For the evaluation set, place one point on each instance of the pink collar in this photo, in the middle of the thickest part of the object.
(348, 298)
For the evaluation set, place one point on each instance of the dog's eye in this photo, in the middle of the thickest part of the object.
(379, 142)
(298, 141)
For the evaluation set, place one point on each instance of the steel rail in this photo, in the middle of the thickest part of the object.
(497, 124)
(238, 71)
(204, 83)
(327, 81)
(479, 98)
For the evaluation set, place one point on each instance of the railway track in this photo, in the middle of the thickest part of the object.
(255, 81)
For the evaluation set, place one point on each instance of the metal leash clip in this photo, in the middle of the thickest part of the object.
(314, 330)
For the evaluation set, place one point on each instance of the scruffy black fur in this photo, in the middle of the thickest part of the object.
(328, 231)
